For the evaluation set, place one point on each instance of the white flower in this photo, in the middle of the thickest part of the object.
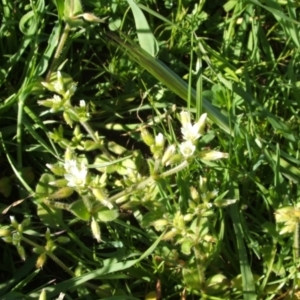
(187, 148)
(75, 176)
(190, 132)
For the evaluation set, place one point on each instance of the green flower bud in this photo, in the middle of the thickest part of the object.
(48, 234)
(147, 137)
(176, 158)
(96, 230)
(62, 193)
(62, 240)
(20, 228)
(13, 222)
(194, 194)
(212, 155)
(91, 18)
(201, 123)
(59, 182)
(21, 252)
(170, 234)
(43, 295)
(41, 261)
(4, 232)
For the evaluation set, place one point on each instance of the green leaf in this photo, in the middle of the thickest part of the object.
(108, 268)
(107, 215)
(79, 209)
(43, 188)
(49, 216)
(146, 38)
(60, 5)
(166, 76)
(72, 8)
(5, 186)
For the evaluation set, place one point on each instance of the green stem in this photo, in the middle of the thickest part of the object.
(296, 243)
(199, 257)
(142, 185)
(58, 51)
(90, 131)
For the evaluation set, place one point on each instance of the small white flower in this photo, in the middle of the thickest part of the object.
(190, 132)
(75, 176)
(187, 148)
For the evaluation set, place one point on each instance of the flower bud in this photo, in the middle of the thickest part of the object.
(212, 155)
(48, 86)
(41, 261)
(62, 239)
(43, 295)
(96, 230)
(4, 232)
(48, 234)
(13, 222)
(91, 18)
(68, 154)
(62, 193)
(185, 118)
(160, 140)
(170, 234)
(194, 194)
(168, 154)
(20, 228)
(59, 182)
(176, 158)
(147, 137)
(101, 195)
(201, 123)
(188, 217)
(21, 252)
(59, 84)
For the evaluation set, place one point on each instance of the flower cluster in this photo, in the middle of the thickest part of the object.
(191, 132)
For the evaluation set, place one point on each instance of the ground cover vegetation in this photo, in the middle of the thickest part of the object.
(149, 149)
